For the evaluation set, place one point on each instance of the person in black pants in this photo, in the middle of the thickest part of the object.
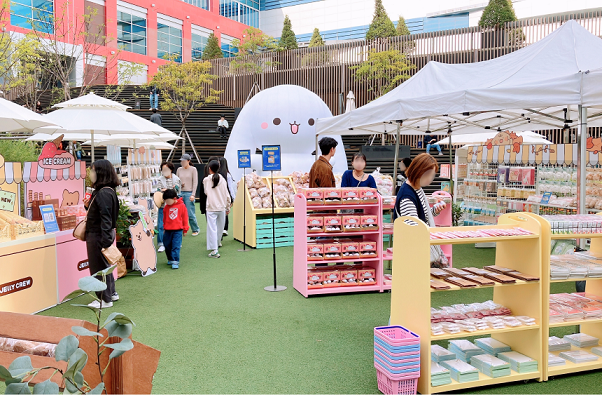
(103, 208)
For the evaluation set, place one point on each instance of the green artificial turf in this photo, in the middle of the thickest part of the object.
(219, 332)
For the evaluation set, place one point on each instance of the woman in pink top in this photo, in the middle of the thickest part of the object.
(218, 207)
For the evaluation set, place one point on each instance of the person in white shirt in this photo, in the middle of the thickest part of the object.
(218, 207)
(222, 126)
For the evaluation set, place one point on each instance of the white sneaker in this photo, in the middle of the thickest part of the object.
(440, 154)
(220, 244)
(225, 233)
(161, 249)
(96, 304)
(195, 233)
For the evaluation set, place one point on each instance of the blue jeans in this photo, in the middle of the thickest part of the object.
(160, 227)
(173, 243)
(428, 147)
(194, 226)
(156, 100)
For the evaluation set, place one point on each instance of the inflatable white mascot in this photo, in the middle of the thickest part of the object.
(284, 115)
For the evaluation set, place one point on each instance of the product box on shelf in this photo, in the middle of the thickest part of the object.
(315, 224)
(502, 174)
(369, 222)
(351, 249)
(332, 278)
(333, 250)
(315, 252)
(315, 278)
(528, 176)
(368, 195)
(351, 195)
(313, 196)
(352, 223)
(333, 223)
(332, 196)
(514, 174)
(368, 249)
(367, 276)
(348, 277)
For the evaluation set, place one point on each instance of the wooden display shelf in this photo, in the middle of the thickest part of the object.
(473, 240)
(571, 280)
(571, 367)
(573, 323)
(339, 290)
(576, 236)
(496, 285)
(411, 294)
(326, 207)
(343, 234)
(485, 332)
(358, 259)
(486, 380)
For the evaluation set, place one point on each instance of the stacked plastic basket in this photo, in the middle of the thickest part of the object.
(396, 359)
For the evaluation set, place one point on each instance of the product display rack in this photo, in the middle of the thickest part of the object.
(300, 262)
(411, 293)
(594, 286)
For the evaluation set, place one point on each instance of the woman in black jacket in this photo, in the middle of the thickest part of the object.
(103, 208)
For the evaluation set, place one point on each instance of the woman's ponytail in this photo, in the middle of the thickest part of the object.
(214, 167)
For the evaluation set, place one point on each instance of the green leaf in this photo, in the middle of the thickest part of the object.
(65, 348)
(20, 366)
(77, 361)
(80, 330)
(98, 390)
(120, 330)
(120, 348)
(7, 377)
(17, 388)
(119, 318)
(105, 272)
(91, 284)
(75, 294)
(46, 388)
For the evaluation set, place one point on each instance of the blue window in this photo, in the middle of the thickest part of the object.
(204, 4)
(169, 42)
(198, 46)
(228, 49)
(131, 33)
(243, 11)
(29, 14)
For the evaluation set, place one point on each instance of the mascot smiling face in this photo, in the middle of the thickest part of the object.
(284, 115)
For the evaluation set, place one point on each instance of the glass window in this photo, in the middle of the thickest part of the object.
(228, 49)
(32, 13)
(204, 4)
(131, 29)
(169, 42)
(198, 46)
(243, 11)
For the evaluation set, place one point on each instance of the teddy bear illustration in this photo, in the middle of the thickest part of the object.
(144, 249)
(506, 138)
(594, 145)
(70, 198)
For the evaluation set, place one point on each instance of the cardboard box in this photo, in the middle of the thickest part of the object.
(368, 249)
(351, 195)
(333, 223)
(332, 278)
(368, 195)
(332, 250)
(348, 277)
(352, 223)
(132, 373)
(332, 196)
(369, 222)
(367, 276)
(313, 196)
(315, 252)
(351, 249)
(315, 278)
(315, 224)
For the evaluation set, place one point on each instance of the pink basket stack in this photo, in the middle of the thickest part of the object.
(397, 360)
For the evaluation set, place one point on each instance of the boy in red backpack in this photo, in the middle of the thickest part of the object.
(175, 224)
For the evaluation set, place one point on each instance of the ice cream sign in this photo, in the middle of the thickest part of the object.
(55, 158)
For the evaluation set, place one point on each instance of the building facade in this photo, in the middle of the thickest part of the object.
(142, 31)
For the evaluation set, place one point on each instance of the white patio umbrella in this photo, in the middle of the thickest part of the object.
(15, 118)
(99, 116)
(463, 139)
(128, 143)
(350, 104)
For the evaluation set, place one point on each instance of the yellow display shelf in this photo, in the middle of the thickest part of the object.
(575, 236)
(572, 280)
(572, 323)
(243, 205)
(571, 367)
(484, 332)
(497, 285)
(411, 293)
(486, 380)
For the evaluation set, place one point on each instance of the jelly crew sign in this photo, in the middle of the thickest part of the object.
(55, 158)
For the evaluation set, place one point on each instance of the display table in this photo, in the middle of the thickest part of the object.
(71, 262)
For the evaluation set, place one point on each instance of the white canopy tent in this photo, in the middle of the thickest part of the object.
(16, 119)
(99, 116)
(476, 138)
(530, 88)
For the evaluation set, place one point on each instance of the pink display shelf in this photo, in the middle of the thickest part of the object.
(301, 264)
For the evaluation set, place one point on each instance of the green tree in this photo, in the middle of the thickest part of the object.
(402, 28)
(185, 87)
(250, 57)
(382, 71)
(381, 26)
(497, 13)
(287, 38)
(212, 50)
(316, 39)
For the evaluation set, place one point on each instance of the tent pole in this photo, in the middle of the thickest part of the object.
(317, 146)
(582, 162)
(451, 164)
(92, 142)
(395, 165)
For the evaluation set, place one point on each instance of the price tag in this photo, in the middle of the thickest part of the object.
(271, 158)
(546, 198)
(49, 218)
(244, 159)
